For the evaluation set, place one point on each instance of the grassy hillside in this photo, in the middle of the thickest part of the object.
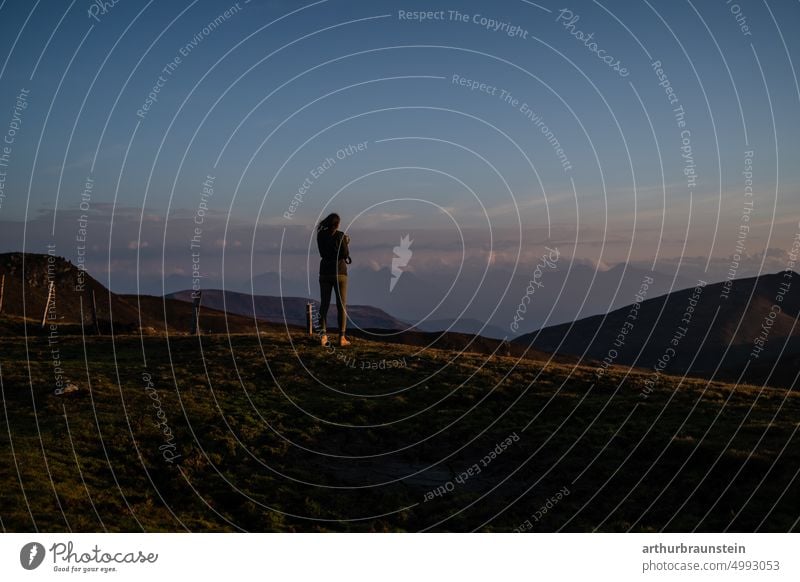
(272, 433)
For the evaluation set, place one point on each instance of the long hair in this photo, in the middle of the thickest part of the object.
(330, 222)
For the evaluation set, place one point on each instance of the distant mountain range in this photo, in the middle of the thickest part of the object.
(289, 310)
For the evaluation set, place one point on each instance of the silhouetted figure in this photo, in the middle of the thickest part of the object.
(334, 251)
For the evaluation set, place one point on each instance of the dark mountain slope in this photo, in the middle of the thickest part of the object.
(700, 331)
(27, 281)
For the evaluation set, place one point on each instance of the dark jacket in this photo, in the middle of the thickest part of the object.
(335, 252)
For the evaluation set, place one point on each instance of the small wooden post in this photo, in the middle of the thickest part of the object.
(51, 296)
(195, 330)
(2, 288)
(95, 323)
(310, 318)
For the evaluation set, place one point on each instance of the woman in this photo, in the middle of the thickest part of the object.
(334, 251)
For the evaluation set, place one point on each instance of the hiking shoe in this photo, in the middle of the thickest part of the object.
(323, 340)
(343, 342)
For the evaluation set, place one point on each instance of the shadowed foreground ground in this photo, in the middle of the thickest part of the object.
(250, 438)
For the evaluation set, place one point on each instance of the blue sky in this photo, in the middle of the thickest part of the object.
(273, 90)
